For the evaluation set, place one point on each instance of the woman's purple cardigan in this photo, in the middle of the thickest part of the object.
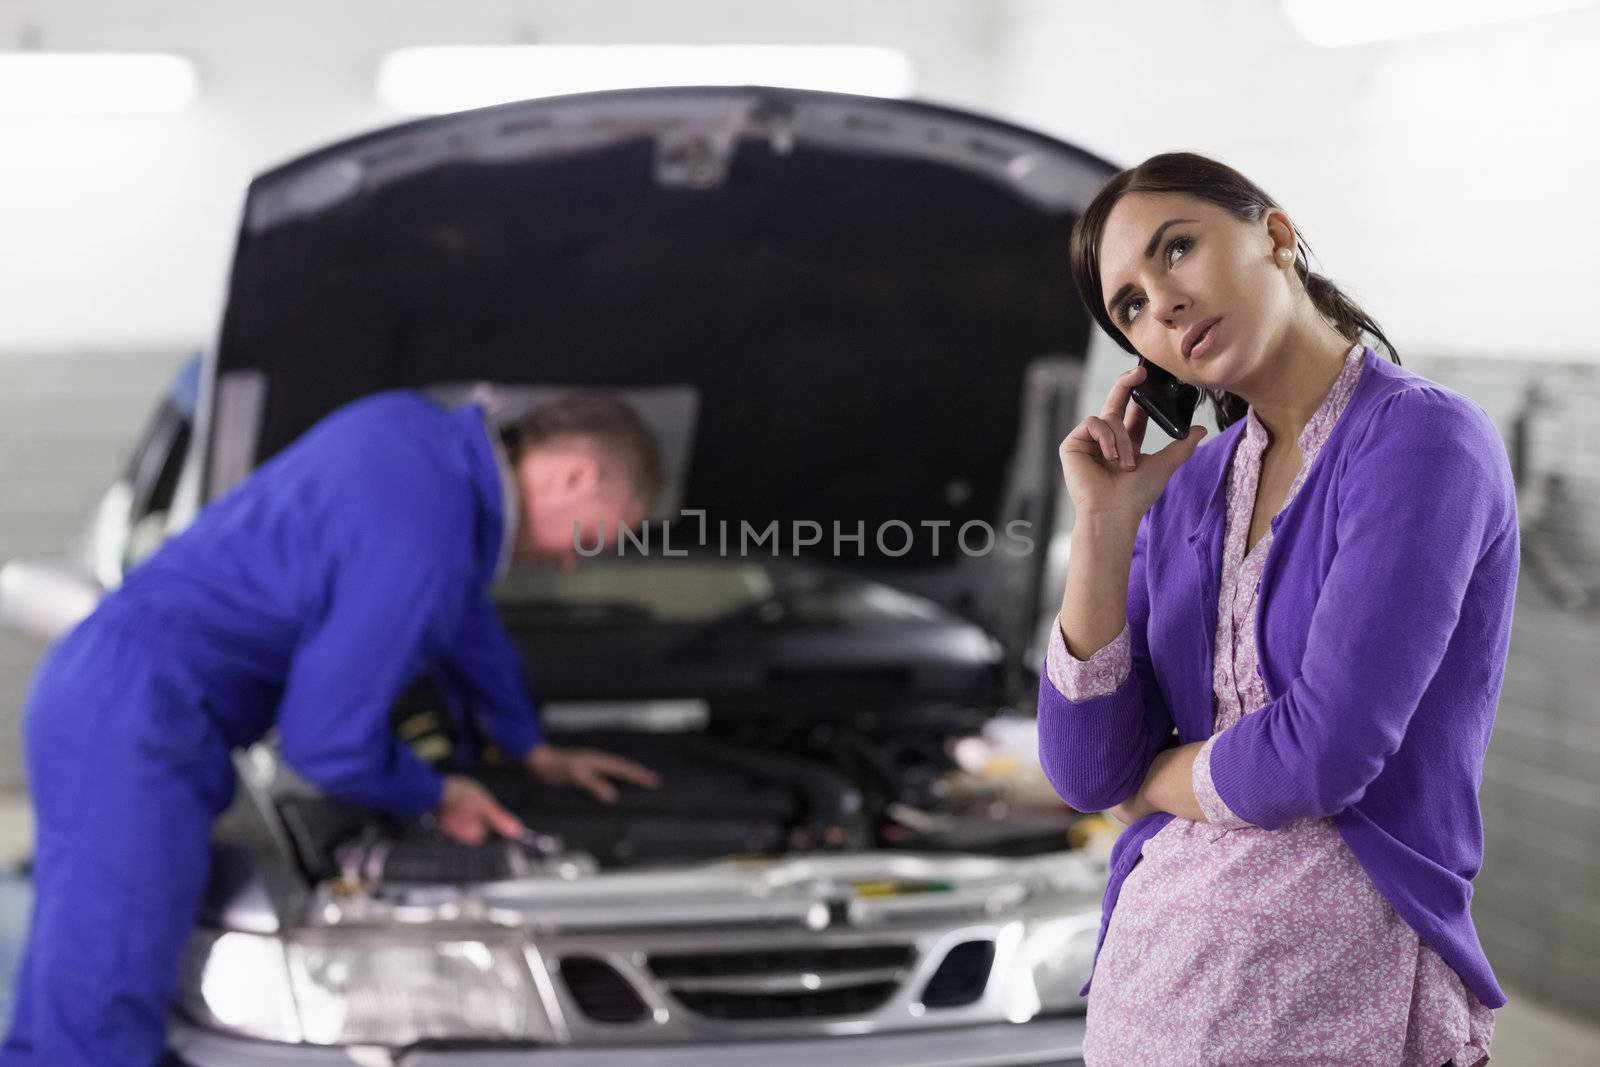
(1382, 627)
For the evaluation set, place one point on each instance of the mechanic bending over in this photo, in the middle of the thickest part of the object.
(309, 597)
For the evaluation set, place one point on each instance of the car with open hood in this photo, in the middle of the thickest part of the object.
(851, 323)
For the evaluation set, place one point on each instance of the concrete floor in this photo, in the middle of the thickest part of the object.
(1526, 1034)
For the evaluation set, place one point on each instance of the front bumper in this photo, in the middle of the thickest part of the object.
(1047, 1041)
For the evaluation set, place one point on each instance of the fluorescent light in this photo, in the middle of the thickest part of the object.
(430, 80)
(1365, 21)
(95, 83)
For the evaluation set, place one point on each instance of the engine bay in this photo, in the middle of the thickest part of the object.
(762, 790)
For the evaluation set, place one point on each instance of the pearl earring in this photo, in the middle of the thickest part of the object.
(1285, 254)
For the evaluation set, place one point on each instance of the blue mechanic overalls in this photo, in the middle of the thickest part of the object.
(307, 598)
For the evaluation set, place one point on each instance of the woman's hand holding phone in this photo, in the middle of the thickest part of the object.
(1100, 459)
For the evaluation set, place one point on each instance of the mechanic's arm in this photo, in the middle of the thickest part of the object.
(484, 662)
(383, 610)
(1426, 494)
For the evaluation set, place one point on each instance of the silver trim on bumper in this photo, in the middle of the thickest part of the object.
(1048, 1041)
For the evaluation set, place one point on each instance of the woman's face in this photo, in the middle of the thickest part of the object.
(1171, 264)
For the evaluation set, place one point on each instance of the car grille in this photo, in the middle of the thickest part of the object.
(855, 1000)
(783, 983)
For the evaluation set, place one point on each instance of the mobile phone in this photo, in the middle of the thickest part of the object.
(1169, 402)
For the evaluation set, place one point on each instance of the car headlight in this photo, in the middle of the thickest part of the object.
(239, 983)
(366, 987)
(1052, 964)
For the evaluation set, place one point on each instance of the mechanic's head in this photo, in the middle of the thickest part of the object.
(586, 463)
(1182, 239)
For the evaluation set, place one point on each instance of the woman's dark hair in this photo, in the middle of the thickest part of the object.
(1205, 179)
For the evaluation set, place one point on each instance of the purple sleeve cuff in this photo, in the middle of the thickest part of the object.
(514, 735)
(1216, 811)
(408, 787)
(1097, 676)
(422, 795)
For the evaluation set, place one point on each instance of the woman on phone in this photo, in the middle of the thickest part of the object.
(1318, 606)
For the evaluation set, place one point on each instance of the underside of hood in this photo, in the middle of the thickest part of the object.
(855, 288)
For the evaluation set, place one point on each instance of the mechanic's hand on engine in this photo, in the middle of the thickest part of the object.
(467, 813)
(588, 769)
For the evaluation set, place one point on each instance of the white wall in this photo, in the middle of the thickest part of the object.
(1449, 180)
(117, 232)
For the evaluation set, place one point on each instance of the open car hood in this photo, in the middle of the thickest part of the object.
(870, 300)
